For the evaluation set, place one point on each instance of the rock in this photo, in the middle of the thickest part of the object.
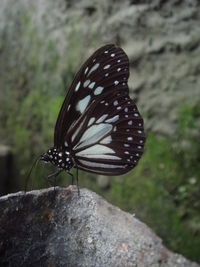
(60, 228)
(161, 39)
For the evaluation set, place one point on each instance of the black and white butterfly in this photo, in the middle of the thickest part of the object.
(99, 128)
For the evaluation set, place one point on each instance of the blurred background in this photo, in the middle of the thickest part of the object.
(42, 45)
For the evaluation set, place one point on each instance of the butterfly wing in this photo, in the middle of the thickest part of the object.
(99, 122)
(81, 94)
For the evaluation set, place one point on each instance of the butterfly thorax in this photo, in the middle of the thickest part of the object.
(59, 157)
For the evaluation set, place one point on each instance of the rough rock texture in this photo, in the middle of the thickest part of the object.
(161, 38)
(59, 228)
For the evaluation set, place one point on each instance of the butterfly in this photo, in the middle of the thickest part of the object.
(99, 128)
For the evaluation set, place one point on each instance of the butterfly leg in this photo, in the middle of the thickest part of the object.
(77, 179)
(55, 174)
(71, 176)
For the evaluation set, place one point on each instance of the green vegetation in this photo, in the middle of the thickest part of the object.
(163, 190)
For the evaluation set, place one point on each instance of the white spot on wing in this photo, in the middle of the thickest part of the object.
(77, 86)
(106, 140)
(116, 82)
(91, 86)
(86, 70)
(113, 119)
(130, 138)
(107, 67)
(82, 104)
(115, 103)
(113, 54)
(91, 121)
(130, 123)
(98, 90)
(102, 118)
(86, 83)
(94, 68)
(126, 145)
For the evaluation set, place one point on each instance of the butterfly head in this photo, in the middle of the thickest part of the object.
(60, 158)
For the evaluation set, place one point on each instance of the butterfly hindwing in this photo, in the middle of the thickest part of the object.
(109, 139)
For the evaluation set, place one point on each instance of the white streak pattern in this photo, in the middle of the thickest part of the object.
(94, 134)
(102, 118)
(101, 165)
(77, 86)
(98, 90)
(95, 150)
(113, 119)
(82, 104)
(94, 68)
(106, 140)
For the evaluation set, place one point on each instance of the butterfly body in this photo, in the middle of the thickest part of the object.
(59, 157)
(99, 128)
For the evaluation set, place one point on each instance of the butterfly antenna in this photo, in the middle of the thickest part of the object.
(35, 163)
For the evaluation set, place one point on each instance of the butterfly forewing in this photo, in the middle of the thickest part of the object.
(94, 79)
(98, 120)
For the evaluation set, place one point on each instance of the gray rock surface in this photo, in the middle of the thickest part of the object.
(161, 38)
(59, 228)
